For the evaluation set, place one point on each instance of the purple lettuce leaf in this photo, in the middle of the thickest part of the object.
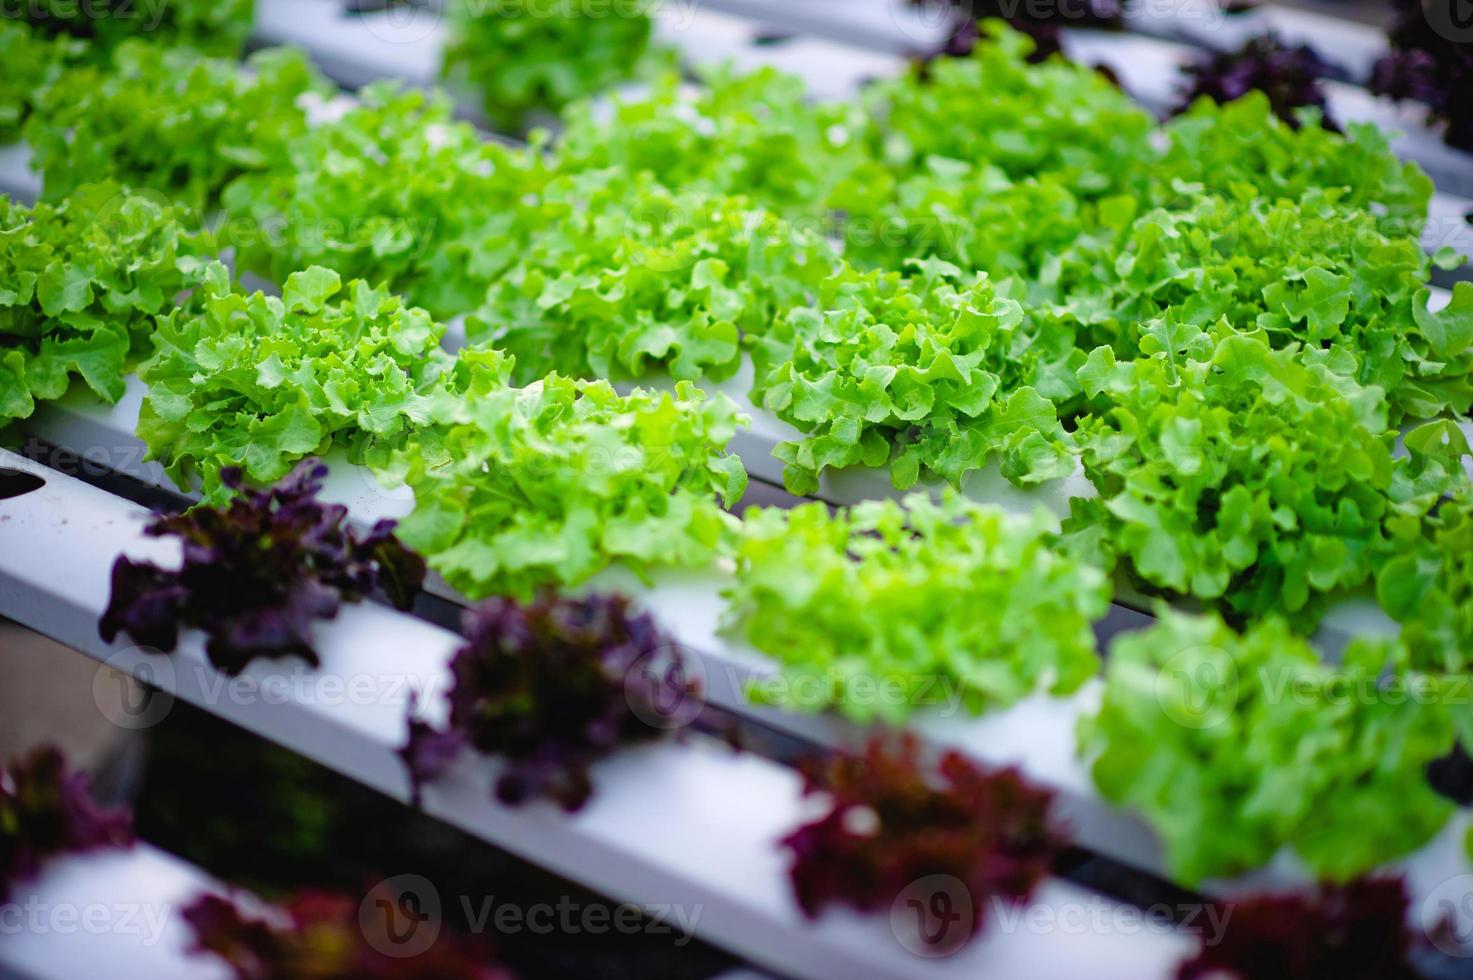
(428, 753)
(318, 934)
(1290, 75)
(1042, 22)
(1355, 931)
(895, 820)
(1428, 65)
(47, 811)
(550, 687)
(258, 572)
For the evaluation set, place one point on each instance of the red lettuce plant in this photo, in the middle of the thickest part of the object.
(257, 572)
(428, 752)
(1041, 22)
(319, 935)
(1289, 74)
(47, 811)
(894, 820)
(1355, 931)
(550, 687)
(1429, 64)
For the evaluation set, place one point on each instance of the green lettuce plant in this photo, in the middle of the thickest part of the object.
(754, 134)
(521, 55)
(549, 484)
(1237, 747)
(1424, 568)
(216, 27)
(31, 62)
(170, 120)
(259, 382)
(1250, 479)
(880, 609)
(625, 276)
(1221, 148)
(929, 373)
(975, 217)
(1000, 165)
(993, 107)
(394, 192)
(1312, 272)
(80, 284)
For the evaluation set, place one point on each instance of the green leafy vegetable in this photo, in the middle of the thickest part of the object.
(170, 120)
(1312, 272)
(522, 55)
(551, 483)
(994, 108)
(999, 165)
(1424, 574)
(1220, 147)
(218, 27)
(881, 609)
(31, 63)
(1249, 478)
(994, 163)
(80, 283)
(1235, 747)
(929, 373)
(755, 134)
(626, 276)
(260, 382)
(977, 218)
(393, 192)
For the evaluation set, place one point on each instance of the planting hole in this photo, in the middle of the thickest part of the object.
(16, 483)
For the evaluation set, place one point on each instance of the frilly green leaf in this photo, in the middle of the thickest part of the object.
(882, 610)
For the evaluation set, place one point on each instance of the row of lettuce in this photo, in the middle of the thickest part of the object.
(517, 59)
(552, 686)
(1223, 319)
(1427, 59)
(892, 818)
